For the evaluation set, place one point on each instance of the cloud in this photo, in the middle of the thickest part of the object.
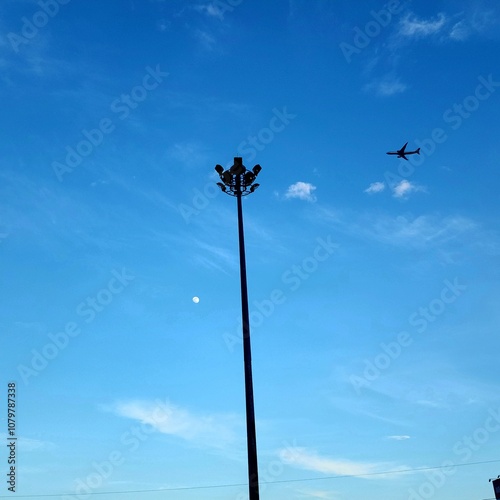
(386, 87)
(303, 458)
(412, 26)
(210, 10)
(479, 22)
(459, 31)
(189, 154)
(325, 495)
(28, 445)
(206, 430)
(403, 188)
(398, 438)
(163, 24)
(215, 257)
(302, 191)
(375, 187)
(206, 40)
(421, 231)
(457, 28)
(485, 21)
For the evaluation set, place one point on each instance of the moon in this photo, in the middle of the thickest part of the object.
(196, 300)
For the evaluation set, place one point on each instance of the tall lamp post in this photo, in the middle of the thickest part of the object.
(238, 181)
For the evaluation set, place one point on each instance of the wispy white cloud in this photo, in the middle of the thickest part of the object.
(213, 430)
(27, 444)
(413, 26)
(460, 27)
(403, 188)
(375, 187)
(460, 31)
(453, 391)
(440, 28)
(485, 20)
(302, 191)
(386, 87)
(314, 493)
(399, 438)
(206, 40)
(163, 24)
(210, 9)
(188, 153)
(215, 257)
(477, 21)
(306, 459)
(421, 231)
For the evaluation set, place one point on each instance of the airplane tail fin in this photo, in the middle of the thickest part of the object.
(418, 151)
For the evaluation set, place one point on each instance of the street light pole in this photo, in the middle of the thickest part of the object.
(253, 477)
(238, 182)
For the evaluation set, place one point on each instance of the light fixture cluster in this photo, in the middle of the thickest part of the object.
(237, 180)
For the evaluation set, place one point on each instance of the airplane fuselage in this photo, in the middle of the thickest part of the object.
(401, 153)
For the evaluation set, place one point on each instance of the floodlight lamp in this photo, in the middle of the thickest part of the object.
(219, 169)
(249, 177)
(256, 169)
(253, 187)
(226, 177)
(223, 188)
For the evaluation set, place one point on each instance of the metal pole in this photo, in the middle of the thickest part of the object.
(253, 474)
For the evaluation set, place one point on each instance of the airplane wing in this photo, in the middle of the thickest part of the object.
(403, 148)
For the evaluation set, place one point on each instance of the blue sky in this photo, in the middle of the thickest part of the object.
(373, 282)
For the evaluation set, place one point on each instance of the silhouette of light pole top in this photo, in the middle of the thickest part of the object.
(237, 180)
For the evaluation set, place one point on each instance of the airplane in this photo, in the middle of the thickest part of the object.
(402, 153)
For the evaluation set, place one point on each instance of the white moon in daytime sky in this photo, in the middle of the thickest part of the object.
(196, 300)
